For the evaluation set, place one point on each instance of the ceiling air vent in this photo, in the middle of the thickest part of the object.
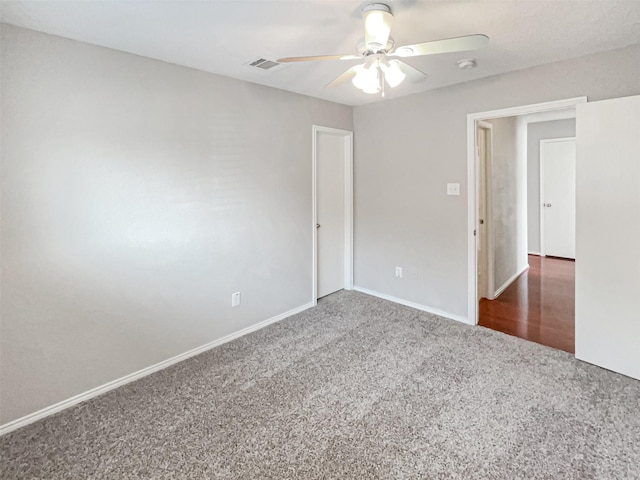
(263, 63)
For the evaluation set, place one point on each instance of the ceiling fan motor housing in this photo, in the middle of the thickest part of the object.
(364, 50)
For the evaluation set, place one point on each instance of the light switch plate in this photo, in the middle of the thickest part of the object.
(235, 299)
(453, 189)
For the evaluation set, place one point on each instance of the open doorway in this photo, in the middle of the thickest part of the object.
(518, 290)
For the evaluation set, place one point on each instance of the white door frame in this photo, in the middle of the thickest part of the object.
(472, 200)
(543, 252)
(348, 206)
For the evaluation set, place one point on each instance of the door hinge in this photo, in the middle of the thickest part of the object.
(474, 233)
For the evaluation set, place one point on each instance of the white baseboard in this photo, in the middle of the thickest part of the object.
(512, 279)
(537, 254)
(417, 306)
(94, 392)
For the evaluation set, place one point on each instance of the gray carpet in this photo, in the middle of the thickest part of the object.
(357, 388)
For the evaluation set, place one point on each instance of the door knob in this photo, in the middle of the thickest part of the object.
(317, 225)
(547, 205)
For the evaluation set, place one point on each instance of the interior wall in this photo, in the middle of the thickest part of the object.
(508, 204)
(408, 149)
(137, 196)
(536, 132)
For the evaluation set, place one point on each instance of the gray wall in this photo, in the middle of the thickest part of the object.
(136, 197)
(536, 132)
(508, 222)
(407, 149)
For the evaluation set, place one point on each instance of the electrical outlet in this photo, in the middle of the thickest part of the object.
(235, 299)
(398, 272)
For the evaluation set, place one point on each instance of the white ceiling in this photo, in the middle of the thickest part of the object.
(223, 36)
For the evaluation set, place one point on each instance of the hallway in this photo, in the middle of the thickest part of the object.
(539, 306)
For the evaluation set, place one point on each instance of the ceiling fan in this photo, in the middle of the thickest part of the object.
(378, 49)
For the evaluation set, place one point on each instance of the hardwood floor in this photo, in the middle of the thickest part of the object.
(538, 306)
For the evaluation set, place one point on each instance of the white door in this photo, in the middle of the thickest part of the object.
(333, 157)
(608, 234)
(485, 283)
(558, 195)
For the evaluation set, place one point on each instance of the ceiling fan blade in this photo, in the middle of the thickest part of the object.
(457, 44)
(319, 57)
(377, 26)
(413, 74)
(342, 78)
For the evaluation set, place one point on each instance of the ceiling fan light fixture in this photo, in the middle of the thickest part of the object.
(367, 78)
(393, 75)
(372, 89)
(377, 26)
